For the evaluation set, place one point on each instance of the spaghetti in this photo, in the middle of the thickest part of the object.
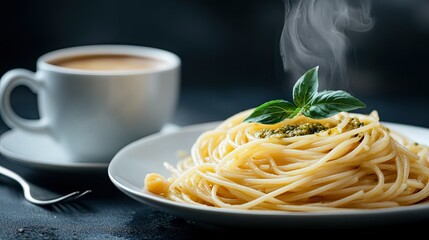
(348, 161)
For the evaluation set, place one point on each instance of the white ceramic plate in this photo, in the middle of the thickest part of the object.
(130, 165)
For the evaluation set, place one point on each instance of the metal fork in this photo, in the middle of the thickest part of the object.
(38, 195)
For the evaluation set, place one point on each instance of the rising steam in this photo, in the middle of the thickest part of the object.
(314, 34)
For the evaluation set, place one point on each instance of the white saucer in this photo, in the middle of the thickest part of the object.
(41, 151)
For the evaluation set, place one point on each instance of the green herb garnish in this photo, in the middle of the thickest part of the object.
(306, 101)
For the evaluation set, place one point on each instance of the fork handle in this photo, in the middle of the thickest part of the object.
(12, 175)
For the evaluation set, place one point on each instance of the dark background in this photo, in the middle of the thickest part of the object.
(231, 61)
(230, 46)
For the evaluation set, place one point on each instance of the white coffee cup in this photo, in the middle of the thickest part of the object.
(93, 114)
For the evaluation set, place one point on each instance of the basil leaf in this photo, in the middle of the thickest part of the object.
(306, 88)
(307, 101)
(273, 112)
(328, 103)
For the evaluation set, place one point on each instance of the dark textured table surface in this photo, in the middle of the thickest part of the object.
(109, 214)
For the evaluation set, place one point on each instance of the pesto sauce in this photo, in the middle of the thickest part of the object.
(302, 129)
(355, 123)
(291, 130)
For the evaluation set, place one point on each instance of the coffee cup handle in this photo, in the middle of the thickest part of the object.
(8, 82)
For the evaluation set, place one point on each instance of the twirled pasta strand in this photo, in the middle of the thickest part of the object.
(340, 168)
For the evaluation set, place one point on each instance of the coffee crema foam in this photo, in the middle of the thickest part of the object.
(109, 62)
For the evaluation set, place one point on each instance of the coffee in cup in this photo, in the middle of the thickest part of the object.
(94, 100)
(108, 62)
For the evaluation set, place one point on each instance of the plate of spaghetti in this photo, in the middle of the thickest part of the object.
(356, 171)
(309, 162)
